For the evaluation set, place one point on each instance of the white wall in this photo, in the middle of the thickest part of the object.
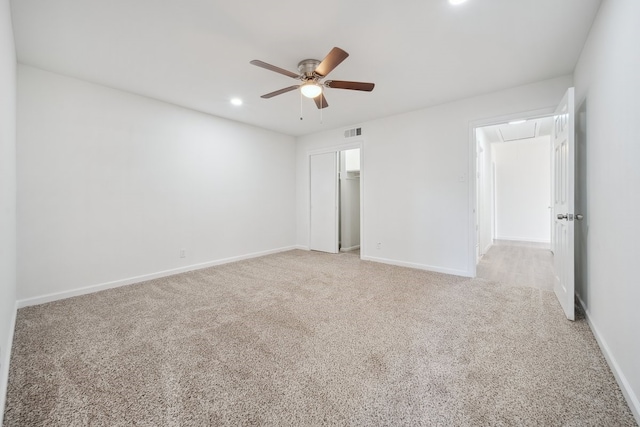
(112, 185)
(7, 194)
(523, 189)
(608, 102)
(415, 177)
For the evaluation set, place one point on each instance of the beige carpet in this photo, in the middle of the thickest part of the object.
(518, 264)
(303, 338)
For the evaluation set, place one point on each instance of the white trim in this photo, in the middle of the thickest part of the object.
(349, 249)
(472, 259)
(452, 271)
(473, 124)
(356, 143)
(362, 181)
(485, 250)
(142, 278)
(523, 239)
(4, 374)
(627, 391)
(302, 247)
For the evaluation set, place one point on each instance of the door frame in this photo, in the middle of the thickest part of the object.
(358, 142)
(473, 196)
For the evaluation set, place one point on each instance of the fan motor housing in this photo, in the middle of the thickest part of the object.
(308, 67)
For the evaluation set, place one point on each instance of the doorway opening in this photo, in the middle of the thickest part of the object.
(560, 214)
(513, 183)
(335, 203)
(513, 201)
(349, 200)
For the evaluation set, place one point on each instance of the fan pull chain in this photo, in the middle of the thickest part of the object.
(300, 105)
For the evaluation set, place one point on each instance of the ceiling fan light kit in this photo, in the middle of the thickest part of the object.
(310, 89)
(311, 72)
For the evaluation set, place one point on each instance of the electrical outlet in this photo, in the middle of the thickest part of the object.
(379, 245)
(183, 253)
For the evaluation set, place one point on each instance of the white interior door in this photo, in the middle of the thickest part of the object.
(324, 203)
(563, 202)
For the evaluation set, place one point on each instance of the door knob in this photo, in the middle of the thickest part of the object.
(579, 217)
(562, 216)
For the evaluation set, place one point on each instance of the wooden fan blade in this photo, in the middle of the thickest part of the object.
(321, 101)
(331, 61)
(280, 92)
(340, 84)
(274, 68)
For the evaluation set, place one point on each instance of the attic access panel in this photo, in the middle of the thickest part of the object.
(524, 130)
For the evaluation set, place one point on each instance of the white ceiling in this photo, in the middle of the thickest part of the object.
(196, 53)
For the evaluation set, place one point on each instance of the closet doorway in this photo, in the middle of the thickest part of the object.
(335, 202)
(349, 200)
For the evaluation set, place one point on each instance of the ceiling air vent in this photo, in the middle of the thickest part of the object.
(350, 133)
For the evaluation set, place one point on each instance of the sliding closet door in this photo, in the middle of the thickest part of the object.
(324, 202)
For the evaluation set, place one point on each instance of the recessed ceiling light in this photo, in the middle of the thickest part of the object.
(236, 101)
(456, 2)
(517, 122)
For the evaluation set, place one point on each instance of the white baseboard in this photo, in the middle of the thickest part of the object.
(142, 278)
(4, 373)
(522, 239)
(485, 250)
(349, 249)
(627, 391)
(302, 247)
(426, 267)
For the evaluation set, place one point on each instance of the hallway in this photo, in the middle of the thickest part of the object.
(518, 264)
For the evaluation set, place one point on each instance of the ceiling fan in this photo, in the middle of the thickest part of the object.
(311, 72)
